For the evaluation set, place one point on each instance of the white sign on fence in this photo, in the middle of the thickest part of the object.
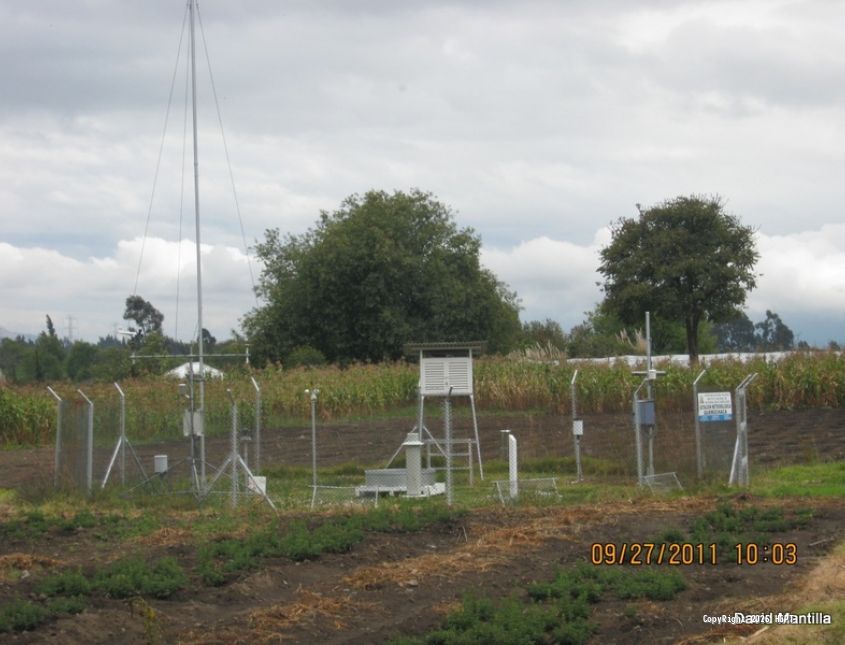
(714, 406)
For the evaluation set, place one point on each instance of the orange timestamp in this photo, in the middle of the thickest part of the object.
(689, 553)
(647, 553)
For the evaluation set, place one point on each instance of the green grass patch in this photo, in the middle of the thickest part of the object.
(826, 479)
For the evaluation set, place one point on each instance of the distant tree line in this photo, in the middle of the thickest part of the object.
(50, 359)
(602, 334)
(385, 269)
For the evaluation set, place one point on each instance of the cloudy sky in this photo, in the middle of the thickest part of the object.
(539, 123)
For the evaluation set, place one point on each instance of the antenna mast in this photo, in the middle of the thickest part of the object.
(191, 7)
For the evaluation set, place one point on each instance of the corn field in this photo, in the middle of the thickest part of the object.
(154, 406)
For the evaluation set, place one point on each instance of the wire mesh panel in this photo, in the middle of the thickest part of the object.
(530, 490)
(74, 458)
(663, 483)
(342, 496)
(717, 445)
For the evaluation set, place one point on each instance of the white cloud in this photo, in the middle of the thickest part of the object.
(802, 279)
(93, 291)
(801, 273)
(554, 279)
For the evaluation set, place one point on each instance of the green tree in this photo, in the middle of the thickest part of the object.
(46, 360)
(735, 334)
(147, 318)
(13, 354)
(773, 334)
(113, 364)
(547, 333)
(81, 359)
(686, 260)
(382, 270)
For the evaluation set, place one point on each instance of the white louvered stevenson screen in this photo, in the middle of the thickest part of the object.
(437, 374)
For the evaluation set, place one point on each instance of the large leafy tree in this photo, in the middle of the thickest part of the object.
(380, 271)
(686, 260)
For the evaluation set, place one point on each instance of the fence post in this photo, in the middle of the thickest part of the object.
(57, 456)
(89, 452)
(699, 456)
(234, 446)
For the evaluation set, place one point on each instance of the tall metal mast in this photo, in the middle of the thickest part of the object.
(191, 6)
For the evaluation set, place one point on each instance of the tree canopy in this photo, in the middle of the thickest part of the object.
(739, 334)
(382, 270)
(147, 317)
(686, 260)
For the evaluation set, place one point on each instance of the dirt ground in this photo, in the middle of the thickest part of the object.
(403, 584)
(391, 585)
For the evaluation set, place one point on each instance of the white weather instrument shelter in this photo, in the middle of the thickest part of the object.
(446, 371)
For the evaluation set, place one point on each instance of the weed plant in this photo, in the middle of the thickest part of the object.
(220, 560)
(36, 524)
(552, 612)
(729, 525)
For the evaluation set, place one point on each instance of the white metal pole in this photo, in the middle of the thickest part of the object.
(638, 433)
(447, 428)
(513, 467)
(257, 437)
(576, 437)
(313, 393)
(652, 429)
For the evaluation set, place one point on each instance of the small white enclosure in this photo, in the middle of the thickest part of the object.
(445, 365)
(438, 374)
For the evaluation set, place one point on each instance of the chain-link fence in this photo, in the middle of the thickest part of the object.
(119, 440)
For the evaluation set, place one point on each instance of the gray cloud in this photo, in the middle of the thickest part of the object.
(533, 120)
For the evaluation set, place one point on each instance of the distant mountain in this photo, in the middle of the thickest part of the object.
(5, 333)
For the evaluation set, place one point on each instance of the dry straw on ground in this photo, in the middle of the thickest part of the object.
(15, 565)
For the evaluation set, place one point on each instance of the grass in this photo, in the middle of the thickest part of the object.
(806, 480)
